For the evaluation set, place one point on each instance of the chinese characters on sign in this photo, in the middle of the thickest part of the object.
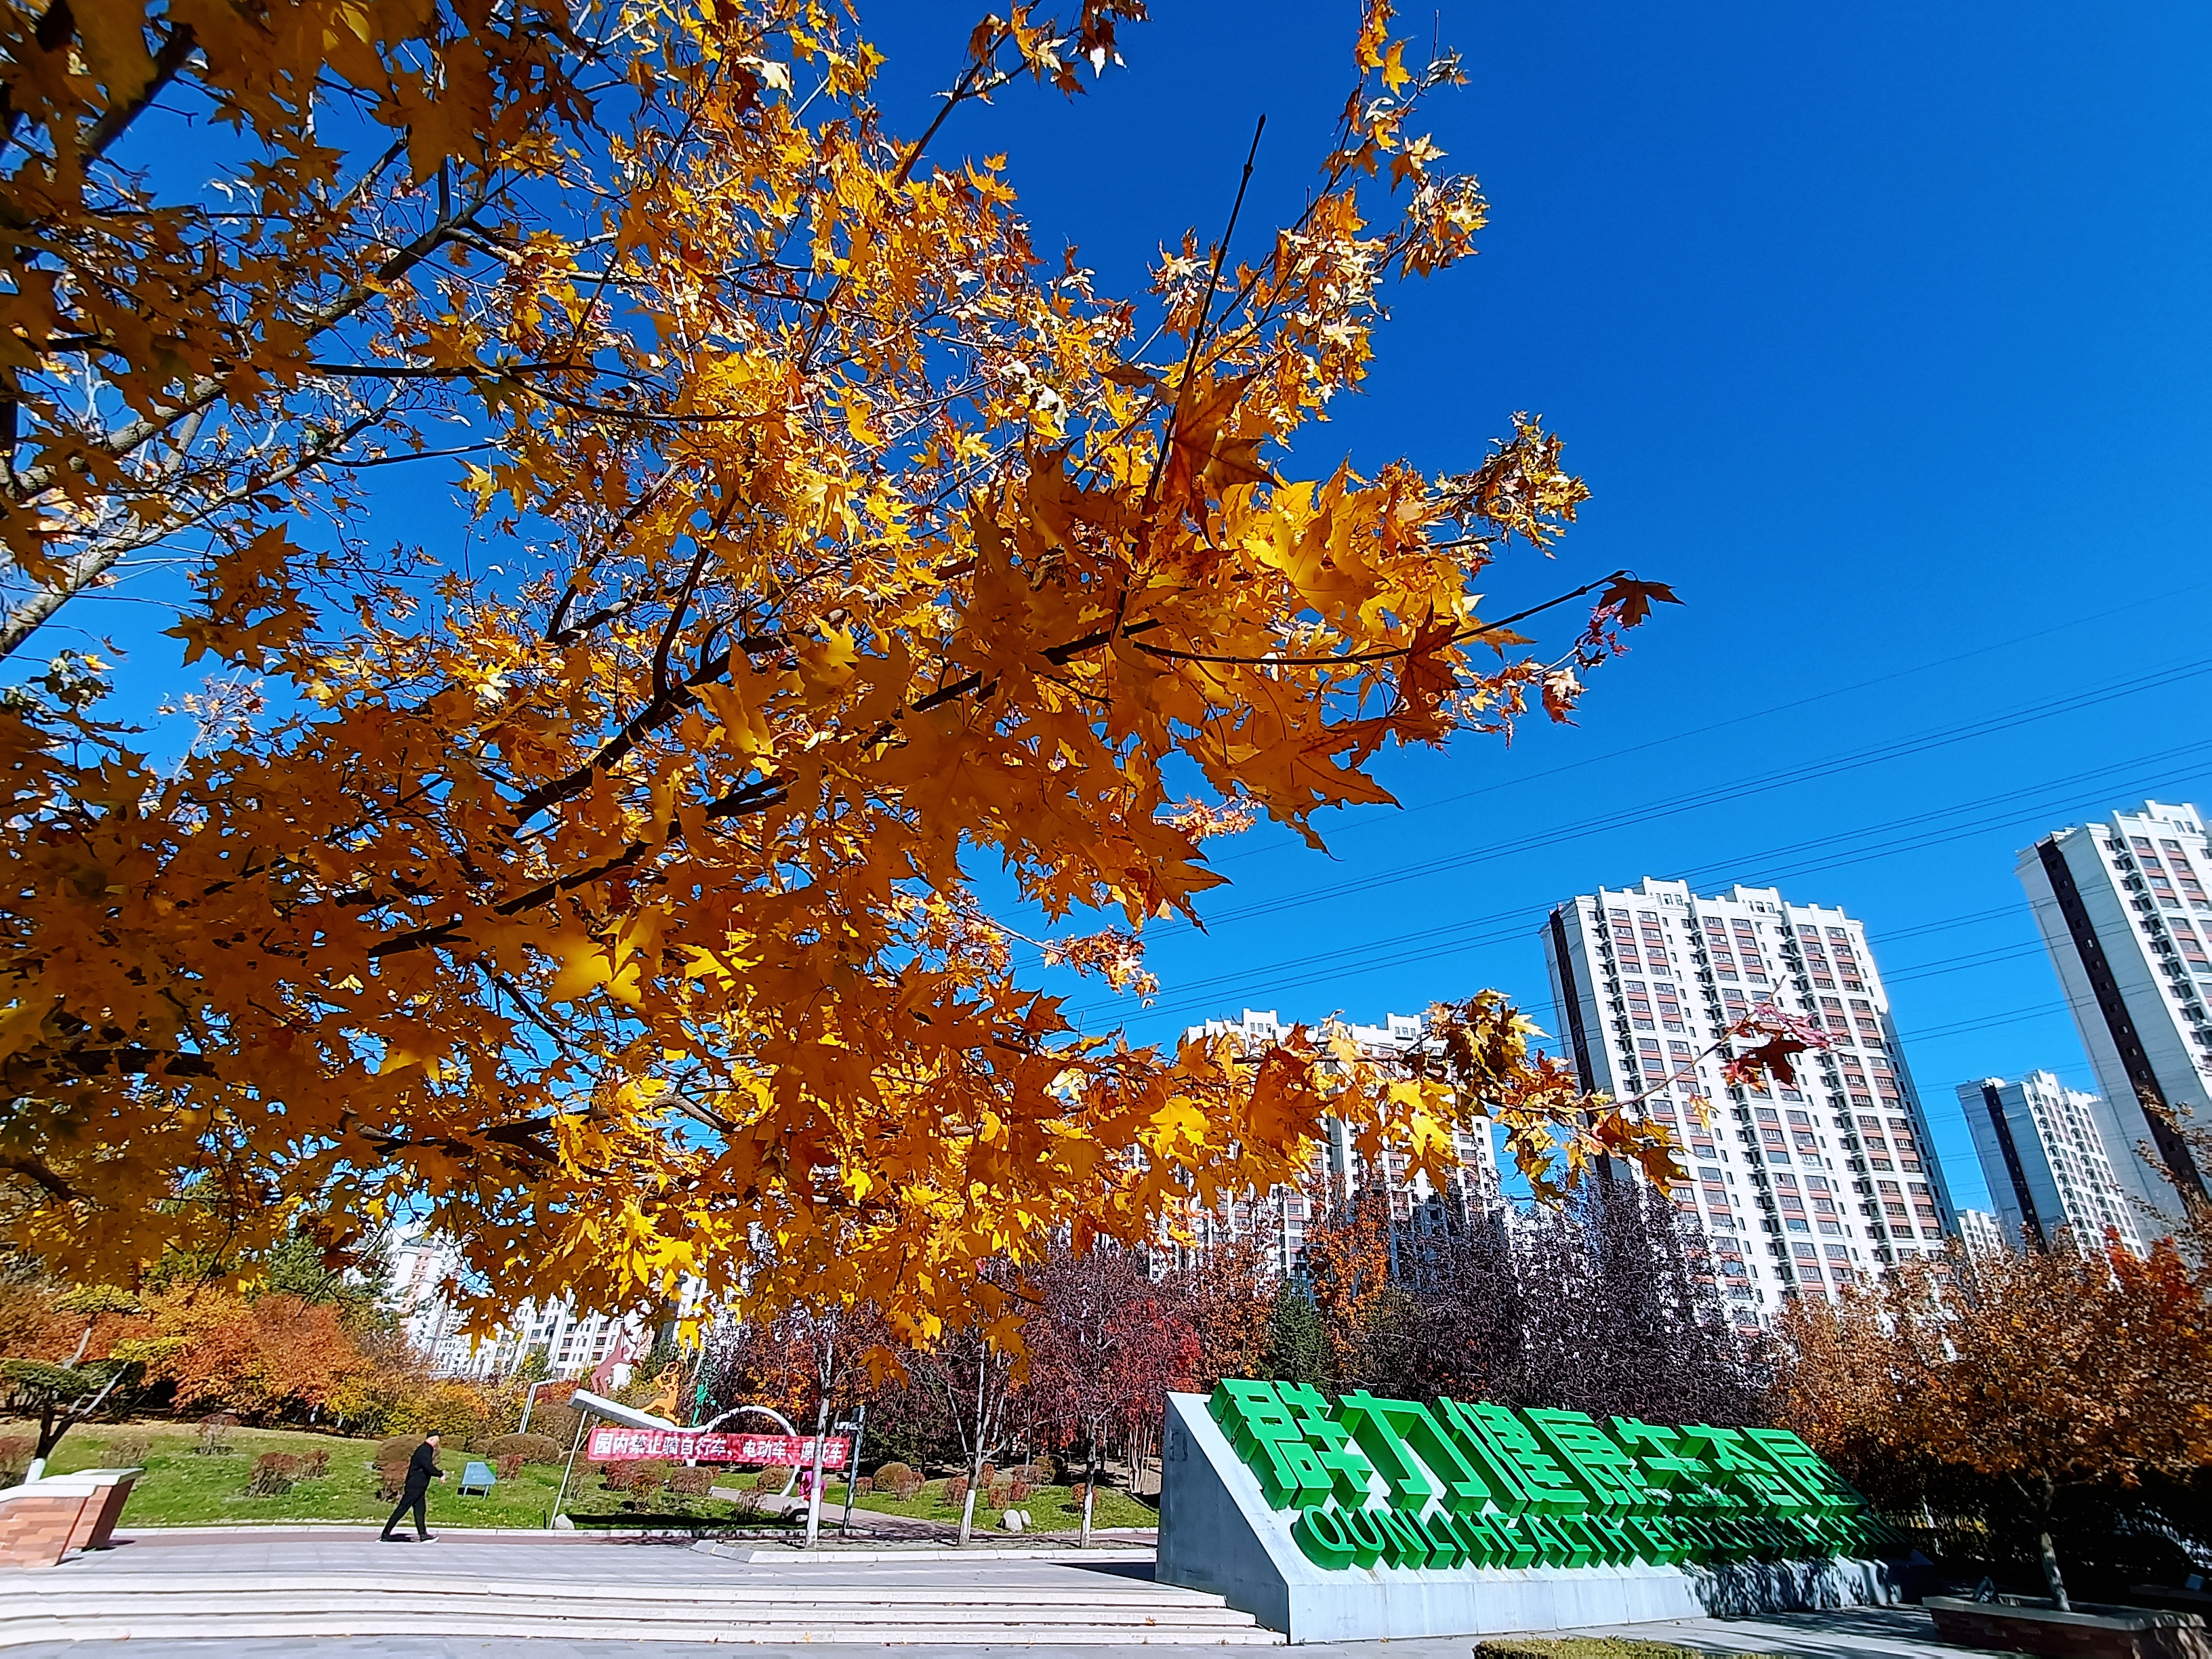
(613, 1445)
(1457, 1485)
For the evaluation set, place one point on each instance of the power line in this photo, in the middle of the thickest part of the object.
(1960, 1028)
(1962, 964)
(1512, 924)
(1725, 793)
(1722, 725)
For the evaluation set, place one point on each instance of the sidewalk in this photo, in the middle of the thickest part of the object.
(1864, 1634)
(327, 1595)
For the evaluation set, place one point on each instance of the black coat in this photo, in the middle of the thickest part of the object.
(422, 1468)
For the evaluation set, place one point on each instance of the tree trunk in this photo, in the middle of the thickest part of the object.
(2050, 1573)
(1090, 1489)
(53, 1424)
(814, 1484)
(968, 1506)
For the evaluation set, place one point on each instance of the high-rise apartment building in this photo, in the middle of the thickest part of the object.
(422, 1291)
(2127, 918)
(1796, 1188)
(1276, 1221)
(1983, 1234)
(2046, 1161)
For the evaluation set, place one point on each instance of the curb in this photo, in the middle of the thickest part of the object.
(751, 1556)
(123, 1534)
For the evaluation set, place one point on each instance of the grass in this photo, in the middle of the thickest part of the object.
(1051, 1509)
(181, 1487)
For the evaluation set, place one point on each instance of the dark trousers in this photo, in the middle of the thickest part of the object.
(416, 1499)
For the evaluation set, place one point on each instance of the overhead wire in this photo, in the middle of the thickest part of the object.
(1505, 926)
(1380, 821)
(2159, 680)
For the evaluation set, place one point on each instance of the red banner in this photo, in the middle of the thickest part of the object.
(610, 1444)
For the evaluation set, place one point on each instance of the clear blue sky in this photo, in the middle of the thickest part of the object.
(1880, 332)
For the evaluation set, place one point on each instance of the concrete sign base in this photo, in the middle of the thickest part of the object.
(1219, 1534)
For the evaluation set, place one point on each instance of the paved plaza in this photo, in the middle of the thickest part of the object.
(331, 1595)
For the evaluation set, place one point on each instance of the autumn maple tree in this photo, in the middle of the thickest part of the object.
(595, 886)
(2047, 1375)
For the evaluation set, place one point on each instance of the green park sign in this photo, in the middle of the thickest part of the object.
(1484, 1486)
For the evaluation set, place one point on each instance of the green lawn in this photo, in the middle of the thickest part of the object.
(180, 1487)
(1051, 1509)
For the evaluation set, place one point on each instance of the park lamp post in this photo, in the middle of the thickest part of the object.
(857, 1428)
(530, 1399)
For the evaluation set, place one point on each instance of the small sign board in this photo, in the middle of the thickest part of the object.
(610, 1444)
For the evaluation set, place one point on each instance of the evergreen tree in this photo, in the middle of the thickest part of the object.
(1298, 1339)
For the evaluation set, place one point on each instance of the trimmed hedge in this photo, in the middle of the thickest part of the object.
(1590, 1647)
(529, 1448)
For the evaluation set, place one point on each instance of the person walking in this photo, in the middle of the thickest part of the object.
(421, 1469)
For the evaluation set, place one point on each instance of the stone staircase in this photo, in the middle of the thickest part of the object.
(968, 1606)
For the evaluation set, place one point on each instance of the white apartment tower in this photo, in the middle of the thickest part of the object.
(1983, 1234)
(1276, 1220)
(2046, 1163)
(1797, 1189)
(422, 1290)
(2126, 917)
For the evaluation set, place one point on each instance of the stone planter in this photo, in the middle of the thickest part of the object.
(42, 1521)
(2091, 1630)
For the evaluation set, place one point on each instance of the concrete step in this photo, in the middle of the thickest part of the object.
(737, 1596)
(239, 1624)
(141, 1605)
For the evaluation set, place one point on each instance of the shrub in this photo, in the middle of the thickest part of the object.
(550, 1415)
(16, 1451)
(529, 1448)
(314, 1466)
(1042, 1471)
(690, 1483)
(273, 1475)
(391, 1481)
(956, 1491)
(1075, 1494)
(1017, 1491)
(986, 1476)
(398, 1448)
(214, 1434)
(771, 1480)
(863, 1486)
(744, 1506)
(638, 1474)
(1585, 1647)
(126, 1451)
(508, 1467)
(458, 1410)
(901, 1481)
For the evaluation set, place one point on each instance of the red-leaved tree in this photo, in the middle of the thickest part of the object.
(1105, 1346)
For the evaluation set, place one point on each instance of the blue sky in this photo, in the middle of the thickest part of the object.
(1879, 333)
